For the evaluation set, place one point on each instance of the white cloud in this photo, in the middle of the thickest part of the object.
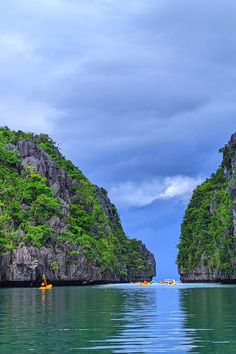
(179, 187)
(134, 194)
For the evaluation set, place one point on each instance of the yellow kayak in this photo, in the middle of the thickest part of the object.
(49, 286)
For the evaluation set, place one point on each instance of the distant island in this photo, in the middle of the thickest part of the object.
(207, 249)
(54, 221)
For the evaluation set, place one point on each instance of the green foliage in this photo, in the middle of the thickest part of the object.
(38, 235)
(43, 208)
(74, 253)
(207, 228)
(34, 186)
(54, 265)
(8, 157)
(8, 136)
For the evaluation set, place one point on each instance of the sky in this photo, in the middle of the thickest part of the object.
(139, 94)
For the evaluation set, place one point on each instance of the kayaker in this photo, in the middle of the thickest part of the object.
(44, 284)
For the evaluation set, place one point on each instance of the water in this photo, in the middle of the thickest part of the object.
(119, 319)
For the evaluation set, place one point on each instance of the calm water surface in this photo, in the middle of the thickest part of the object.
(119, 319)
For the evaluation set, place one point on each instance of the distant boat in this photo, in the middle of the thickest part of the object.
(170, 282)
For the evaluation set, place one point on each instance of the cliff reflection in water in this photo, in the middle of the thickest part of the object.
(58, 321)
(151, 322)
(210, 320)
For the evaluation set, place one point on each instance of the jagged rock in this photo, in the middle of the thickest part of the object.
(10, 147)
(58, 179)
(30, 263)
(233, 139)
(107, 206)
(55, 221)
(24, 207)
(213, 207)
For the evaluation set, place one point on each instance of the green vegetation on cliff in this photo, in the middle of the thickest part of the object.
(28, 205)
(207, 229)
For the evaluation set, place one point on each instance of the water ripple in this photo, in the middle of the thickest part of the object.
(119, 319)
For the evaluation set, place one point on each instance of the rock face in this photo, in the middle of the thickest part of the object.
(32, 155)
(230, 172)
(61, 259)
(61, 264)
(207, 249)
(27, 264)
(203, 273)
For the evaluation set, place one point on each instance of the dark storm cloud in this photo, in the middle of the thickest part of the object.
(135, 91)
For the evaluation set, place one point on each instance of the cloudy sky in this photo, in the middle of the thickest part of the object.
(139, 94)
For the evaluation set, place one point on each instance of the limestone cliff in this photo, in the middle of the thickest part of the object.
(54, 221)
(207, 249)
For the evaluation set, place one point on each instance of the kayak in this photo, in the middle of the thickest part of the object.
(142, 283)
(145, 284)
(49, 286)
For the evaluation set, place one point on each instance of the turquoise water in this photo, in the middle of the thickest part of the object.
(119, 319)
